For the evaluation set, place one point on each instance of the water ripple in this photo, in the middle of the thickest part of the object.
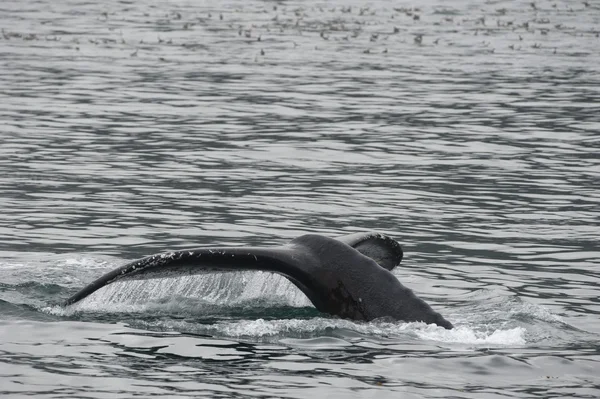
(467, 131)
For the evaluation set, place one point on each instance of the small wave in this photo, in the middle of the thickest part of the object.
(468, 335)
(318, 327)
(528, 310)
(465, 335)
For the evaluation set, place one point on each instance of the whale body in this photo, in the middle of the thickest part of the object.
(348, 276)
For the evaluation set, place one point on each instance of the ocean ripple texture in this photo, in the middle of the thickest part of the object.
(467, 130)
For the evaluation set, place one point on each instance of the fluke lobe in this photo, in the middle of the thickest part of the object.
(349, 276)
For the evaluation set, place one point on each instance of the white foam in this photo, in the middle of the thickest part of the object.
(312, 327)
(316, 326)
(468, 335)
(57, 310)
(261, 327)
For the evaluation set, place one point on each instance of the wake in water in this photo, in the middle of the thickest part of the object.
(265, 306)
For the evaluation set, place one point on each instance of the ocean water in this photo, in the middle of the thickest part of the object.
(468, 131)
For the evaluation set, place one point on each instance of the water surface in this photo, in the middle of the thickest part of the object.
(468, 131)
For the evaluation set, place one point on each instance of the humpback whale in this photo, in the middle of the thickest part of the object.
(348, 276)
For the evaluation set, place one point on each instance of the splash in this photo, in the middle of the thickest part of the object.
(469, 335)
(261, 305)
(280, 330)
(228, 289)
(464, 335)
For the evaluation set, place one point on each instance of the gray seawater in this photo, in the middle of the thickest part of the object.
(469, 131)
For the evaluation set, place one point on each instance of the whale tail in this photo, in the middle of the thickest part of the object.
(348, 277)
(282, 259)
(199, 261)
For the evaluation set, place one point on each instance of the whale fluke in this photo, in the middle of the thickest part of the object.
(382, 249)
(348, 277)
